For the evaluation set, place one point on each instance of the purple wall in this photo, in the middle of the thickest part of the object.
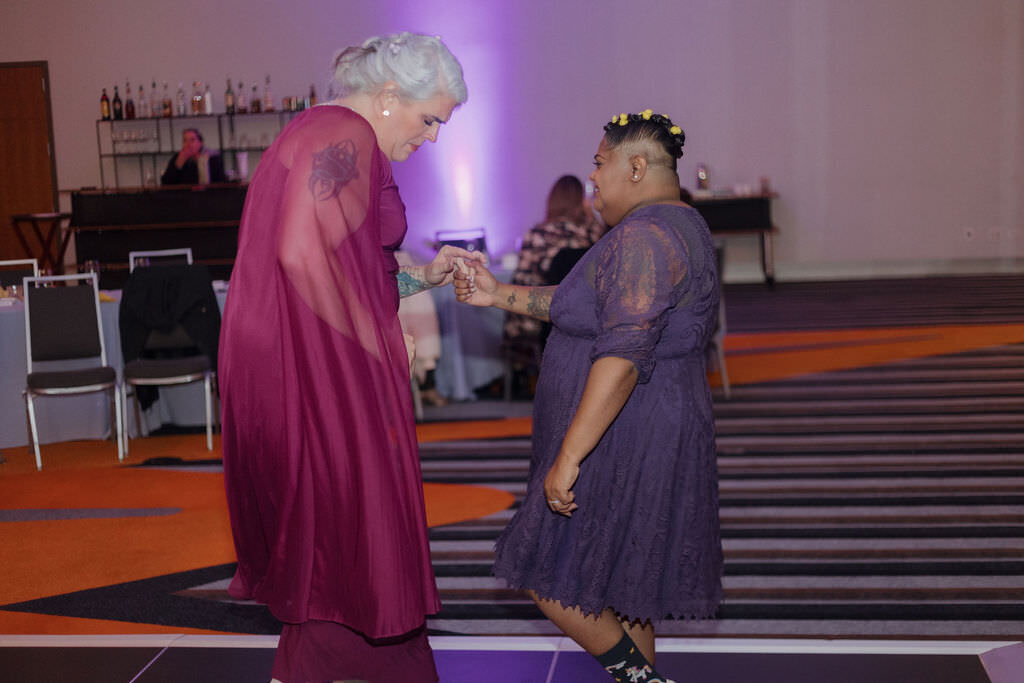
(892, 130)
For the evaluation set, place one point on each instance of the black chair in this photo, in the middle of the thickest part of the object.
(62, 323)
(158, 257)
(170, 325)
(562, 263)
(13, 271)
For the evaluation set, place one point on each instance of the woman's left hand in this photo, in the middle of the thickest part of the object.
(439, 272)
(558, 486)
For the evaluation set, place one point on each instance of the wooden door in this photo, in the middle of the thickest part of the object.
(28, 174)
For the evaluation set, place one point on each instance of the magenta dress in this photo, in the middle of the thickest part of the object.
(320, 456)
(645, 539)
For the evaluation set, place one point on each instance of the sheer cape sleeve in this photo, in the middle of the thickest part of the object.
(637, 280)
(328, 249)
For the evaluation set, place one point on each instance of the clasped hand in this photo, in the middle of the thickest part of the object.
(474, 284)
(440, 271)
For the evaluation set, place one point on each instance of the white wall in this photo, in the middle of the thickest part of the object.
(893, 129)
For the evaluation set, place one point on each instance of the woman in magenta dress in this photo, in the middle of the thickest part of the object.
(320, 456)
(619, 526)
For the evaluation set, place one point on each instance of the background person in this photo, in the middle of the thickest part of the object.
(193, 164)
(321, 463)
(619, 526)
(548, 251)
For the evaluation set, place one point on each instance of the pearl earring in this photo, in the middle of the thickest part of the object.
(386, 112)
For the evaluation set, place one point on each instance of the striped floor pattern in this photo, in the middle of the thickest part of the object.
(879, 303)
(878, 502)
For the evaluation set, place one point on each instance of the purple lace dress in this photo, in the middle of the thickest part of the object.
(645, 539)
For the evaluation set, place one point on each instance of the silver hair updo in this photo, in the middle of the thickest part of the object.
(422, 66)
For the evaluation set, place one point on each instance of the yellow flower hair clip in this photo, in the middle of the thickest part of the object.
(615, 118)
(675, 130)
(623, 119)
(647, 113)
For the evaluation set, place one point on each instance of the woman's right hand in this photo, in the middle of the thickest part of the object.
(474, 284)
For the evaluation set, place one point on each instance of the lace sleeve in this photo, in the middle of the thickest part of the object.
(325, 201)
(637, 278)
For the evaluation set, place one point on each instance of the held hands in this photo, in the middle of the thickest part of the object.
(439, 272)
(475, 285)
(558, 486)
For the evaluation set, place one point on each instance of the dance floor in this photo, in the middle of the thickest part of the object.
(871, 467)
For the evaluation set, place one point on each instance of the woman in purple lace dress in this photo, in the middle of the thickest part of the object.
(619, 527)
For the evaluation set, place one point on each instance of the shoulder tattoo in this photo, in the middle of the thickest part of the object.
(333, 168)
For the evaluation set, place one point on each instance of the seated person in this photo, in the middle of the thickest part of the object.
(569, 224)
(194, 164)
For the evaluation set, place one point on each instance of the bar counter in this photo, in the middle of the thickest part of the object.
(108, 224)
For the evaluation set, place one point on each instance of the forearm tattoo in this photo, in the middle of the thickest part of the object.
(539, 303)
(409, 284)
(511, 300)
(333, 169)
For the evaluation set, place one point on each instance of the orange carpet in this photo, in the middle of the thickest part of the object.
(771, 356)
(45, 558)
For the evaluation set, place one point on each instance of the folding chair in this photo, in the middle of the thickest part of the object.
(169, 355)
(62, 323)
(159, 257)
(12, 272)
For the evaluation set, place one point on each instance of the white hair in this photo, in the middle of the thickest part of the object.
(422, 66)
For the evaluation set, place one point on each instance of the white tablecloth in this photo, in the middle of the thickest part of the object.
(470, 359)
(470, 344)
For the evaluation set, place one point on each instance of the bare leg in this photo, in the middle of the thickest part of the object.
(596, 633)
(642, 634)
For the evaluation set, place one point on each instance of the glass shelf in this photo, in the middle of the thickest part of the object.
(165, 131)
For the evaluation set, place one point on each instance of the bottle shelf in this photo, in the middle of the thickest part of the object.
(164, 133)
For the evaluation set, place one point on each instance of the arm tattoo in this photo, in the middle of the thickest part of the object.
(511, 300)
(408, 284)
(333, 169)
(539, 304)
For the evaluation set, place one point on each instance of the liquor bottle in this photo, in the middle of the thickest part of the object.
(207, 101)
(129, 104)
(241, 103)
(154, 101)
(312, 97)
(167, 106)
(229, 99)
(197, 99)
(255, 105)
(104, 106)
(144, 112)
(268, 98)
(118, 109)
(182, 108)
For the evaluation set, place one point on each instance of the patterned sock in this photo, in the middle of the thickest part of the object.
(627, 664)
